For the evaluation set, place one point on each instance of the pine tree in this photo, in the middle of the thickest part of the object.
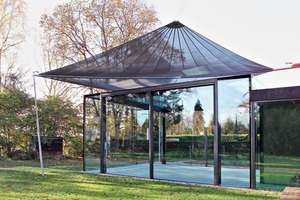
(198, 119)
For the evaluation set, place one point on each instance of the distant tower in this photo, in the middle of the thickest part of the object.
(198, 119)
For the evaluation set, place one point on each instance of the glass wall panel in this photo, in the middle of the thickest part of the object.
(278, 144)
(234, 127)
(183, 136)
(92, 133)
(127, 135)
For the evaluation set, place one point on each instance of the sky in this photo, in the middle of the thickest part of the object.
(264, 31)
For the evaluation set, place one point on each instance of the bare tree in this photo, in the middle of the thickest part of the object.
(12, 20)
(53, 60)
(82, 28)
(119, 21)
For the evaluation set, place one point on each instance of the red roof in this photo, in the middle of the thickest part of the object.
(296, 65)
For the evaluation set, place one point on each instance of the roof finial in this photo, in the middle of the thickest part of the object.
(175, 24)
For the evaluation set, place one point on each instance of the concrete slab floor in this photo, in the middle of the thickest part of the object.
(230, 177)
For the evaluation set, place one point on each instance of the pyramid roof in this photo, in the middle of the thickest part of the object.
(170, 54)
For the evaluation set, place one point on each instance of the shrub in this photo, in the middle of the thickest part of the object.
(20, 154)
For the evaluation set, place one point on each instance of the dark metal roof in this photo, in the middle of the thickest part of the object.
(273, 94)
(171, 54)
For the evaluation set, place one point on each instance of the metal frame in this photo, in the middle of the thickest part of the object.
(252, 149)
(83, 133)
(102, 164)
(102, 134)
(217, 138)
(252, 140)
(276, 94)
(164, 87)
(217, 133)
(151, 140)
(164, 140)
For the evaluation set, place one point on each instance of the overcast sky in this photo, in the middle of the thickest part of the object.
(264, 31)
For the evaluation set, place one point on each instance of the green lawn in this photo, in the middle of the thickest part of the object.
(278, 171)
(63, 180)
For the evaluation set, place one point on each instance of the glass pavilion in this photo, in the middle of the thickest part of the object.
(176, 106)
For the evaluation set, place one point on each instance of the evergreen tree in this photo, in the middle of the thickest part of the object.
(198, 119)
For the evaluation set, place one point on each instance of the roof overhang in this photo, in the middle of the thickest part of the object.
(168, 55)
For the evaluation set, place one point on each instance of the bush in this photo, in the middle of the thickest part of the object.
(73, 147)
(22, 155)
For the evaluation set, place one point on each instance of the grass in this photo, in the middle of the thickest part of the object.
(279, 170)
(63, 180)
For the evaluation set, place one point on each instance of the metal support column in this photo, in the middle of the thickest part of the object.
(38, 128)
(160, 137)
(83, 130)
(252, 141)
(217, 139)
(151, 144)
(252, 149)
(102, 134)
(164, 140)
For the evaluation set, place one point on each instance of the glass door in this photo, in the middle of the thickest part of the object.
(183, 135)
(127, 135)
(234, 120)
(92, 133)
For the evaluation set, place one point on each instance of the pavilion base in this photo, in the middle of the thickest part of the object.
(184, 173)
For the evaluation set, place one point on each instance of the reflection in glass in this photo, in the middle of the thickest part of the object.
(183, 136)
(127, 138)
(92, 133)
(278, 144)
(234, 127)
